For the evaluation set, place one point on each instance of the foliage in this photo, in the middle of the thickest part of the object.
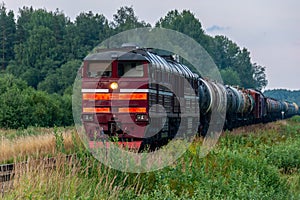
(184, 22)
(284, 94)
(240, 167)
(44, 49)
(61, 78)
(59, 140)
(260, 76)
(285, 156)
(87, 31)
(45, 41)
(7, 35)
(29, 107)
(229, 58)
(125, 19)
(228, 55)
(230, 77)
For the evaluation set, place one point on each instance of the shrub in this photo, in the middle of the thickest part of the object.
(29, 107)
(285, 156)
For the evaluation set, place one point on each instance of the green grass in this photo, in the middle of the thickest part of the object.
(30, 131)
(262, 165)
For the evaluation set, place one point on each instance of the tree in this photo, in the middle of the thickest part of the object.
(185, 22)
(284, 95)
(225, 52)
(61, 79)
(125, 19)
(14, 112)
(234, 62)
(50, 84)
(22, 31)
(35, 57)
(230, 77)
(14, 108)
(40, 47)
(32, 76)
(87, 31)
(7, 35)
(30, 107)
(7, 81)
(260, 76)
(67, 74)
(228, 54)
(244, 66)
(91, 28)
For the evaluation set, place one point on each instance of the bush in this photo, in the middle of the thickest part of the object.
(232, 171)
(295, 119)
(285, 156)
(22, 106)
(223, 174)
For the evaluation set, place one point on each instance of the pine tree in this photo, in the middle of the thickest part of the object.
(7, 35)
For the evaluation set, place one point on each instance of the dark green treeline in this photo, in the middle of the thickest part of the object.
(41, 51)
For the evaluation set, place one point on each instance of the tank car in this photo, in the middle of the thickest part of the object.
(275, 108)
(292, 109)
(212, 97)
(240, 106)
(259, 109)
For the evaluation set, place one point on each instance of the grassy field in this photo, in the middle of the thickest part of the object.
(34, 142)
(257, 162)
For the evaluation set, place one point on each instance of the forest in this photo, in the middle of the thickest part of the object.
(284, 94)
(41, 51)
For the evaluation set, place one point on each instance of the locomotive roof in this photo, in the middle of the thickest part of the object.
(162, 62)
(115, 55)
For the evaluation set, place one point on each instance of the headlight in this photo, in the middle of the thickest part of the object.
(87, 117)
(114, 85)
(141, 117)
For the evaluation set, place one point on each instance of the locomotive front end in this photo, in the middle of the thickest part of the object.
(115, 97)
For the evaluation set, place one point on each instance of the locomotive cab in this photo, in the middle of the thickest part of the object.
(114, 96)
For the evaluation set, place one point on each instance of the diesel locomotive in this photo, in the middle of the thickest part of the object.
(140, 98)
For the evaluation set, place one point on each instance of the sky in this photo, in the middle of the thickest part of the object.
(269, 29)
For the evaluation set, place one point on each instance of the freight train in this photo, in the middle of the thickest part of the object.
(140, 98)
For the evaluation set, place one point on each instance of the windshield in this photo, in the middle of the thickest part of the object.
(99, 69)
(130, 69)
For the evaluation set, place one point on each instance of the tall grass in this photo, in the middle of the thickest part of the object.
(18, 148)
(67, 180)
(262, 164)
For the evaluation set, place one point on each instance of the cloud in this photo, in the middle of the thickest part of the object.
(297, 43)
(217, 28)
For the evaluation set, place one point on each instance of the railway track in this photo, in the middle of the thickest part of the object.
(6, 175)
(9, 171)
(6, 172)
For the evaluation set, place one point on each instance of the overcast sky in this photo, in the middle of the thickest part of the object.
(269, 29)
